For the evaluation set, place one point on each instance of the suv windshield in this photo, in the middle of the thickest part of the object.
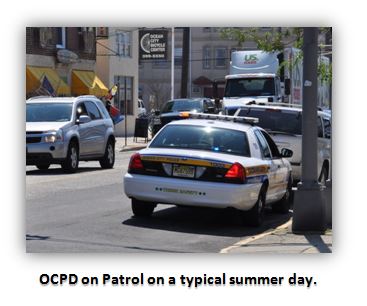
(250, 87)
(181, 105)
(276, 120)
(48, 112)
(211, 139)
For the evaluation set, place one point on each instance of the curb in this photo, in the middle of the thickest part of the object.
(253, 238)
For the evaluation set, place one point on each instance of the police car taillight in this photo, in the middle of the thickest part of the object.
(237, 171)
(135, 162)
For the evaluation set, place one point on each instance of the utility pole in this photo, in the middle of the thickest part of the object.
(173, 63)
(185, 61)
(309, 199)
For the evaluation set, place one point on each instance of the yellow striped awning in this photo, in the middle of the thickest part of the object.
(85, 82)
(34, 77)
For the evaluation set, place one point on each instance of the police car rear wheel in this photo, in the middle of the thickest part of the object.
(142, 208)
(255, 216)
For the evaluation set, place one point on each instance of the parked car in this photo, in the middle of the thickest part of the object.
(173, 110)
(211, 163)
(66, 130)
(284, 123)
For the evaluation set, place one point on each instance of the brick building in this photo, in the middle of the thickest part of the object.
(66, 56)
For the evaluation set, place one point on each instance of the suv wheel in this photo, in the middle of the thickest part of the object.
(43, 166)
(70, 164)
(108, 159)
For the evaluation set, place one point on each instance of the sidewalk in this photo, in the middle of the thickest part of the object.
(282, 241)
(130, 145)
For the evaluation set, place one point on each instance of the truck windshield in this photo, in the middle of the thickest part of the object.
(247, 87)
(273, 120)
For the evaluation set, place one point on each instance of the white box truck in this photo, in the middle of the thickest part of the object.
(255, 76)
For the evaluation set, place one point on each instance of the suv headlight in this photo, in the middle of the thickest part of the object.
(54, 136)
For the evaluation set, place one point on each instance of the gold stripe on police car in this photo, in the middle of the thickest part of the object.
(185, 161)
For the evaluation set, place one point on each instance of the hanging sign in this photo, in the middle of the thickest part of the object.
(153, 44)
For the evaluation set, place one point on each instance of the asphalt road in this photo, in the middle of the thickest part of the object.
(89, 212)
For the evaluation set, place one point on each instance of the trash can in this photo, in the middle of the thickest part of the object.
(141, 128)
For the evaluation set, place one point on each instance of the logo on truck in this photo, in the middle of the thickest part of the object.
(250, 59)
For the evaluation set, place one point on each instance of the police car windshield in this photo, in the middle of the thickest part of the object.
(48, 112)
(249, 87)
(275, 120)
(182, 105)
(203, 138)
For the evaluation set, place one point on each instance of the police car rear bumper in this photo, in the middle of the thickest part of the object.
(190, 192)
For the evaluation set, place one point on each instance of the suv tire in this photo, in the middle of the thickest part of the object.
(43, 166)
(70, 164)
(108, 159)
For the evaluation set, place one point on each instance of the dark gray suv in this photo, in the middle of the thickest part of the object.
(66, 130)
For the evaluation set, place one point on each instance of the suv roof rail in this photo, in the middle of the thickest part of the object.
(37, 97)
(86, 96)
(249, 120)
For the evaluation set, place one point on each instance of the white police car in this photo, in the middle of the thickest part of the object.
(208, 162)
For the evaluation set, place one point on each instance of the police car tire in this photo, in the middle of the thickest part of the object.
(142, 208)
(105, 161)
(285, 202)
(255, 216)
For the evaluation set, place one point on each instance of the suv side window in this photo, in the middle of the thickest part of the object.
(93, 110)
(273, 147)
(81, 110)
(264, 148)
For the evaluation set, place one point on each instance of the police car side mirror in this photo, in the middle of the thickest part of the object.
(286, 153)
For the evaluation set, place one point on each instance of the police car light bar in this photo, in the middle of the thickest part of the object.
(249, 120)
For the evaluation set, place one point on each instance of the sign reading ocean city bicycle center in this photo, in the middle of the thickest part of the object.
(153, 44)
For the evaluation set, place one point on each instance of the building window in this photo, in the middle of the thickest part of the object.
(60, 38)
(207, 29)
(46, 37)
(178, 57)
(207, 55)
(123, 44)
(220, 57)
(119, 100)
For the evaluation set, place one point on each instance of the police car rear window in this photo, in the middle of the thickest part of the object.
(204, 138)
(276, 120)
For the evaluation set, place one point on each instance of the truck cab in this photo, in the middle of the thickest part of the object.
(253, 77)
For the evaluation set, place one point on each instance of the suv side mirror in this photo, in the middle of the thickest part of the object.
(83, 119)
(286, 153)
(287, 87)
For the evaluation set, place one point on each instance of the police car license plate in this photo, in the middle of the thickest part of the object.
(183, 171)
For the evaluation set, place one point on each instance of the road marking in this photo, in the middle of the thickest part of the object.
(256, 237)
